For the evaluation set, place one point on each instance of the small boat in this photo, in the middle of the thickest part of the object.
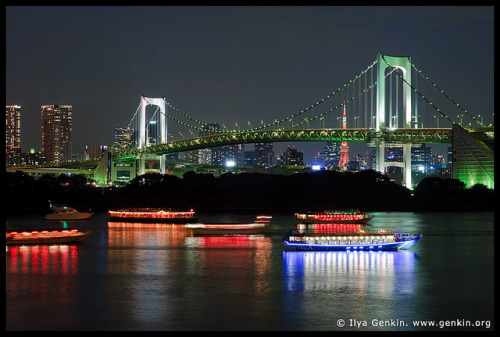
(45, 237)
(66, 213)
(226, 228)
(259, 226)
(362, 241)
(152, 215)
(338, 217)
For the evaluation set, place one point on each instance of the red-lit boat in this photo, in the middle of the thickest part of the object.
(152, 215)
(45, 237)
(259, 226)
(337, 217)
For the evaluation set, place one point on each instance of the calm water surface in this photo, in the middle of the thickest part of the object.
(161, 277)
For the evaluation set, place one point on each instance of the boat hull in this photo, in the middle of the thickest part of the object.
(70, 216)
(399, 245)
(48, 239)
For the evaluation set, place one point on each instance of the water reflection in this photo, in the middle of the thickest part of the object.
(41, 283)
(148, 266)
(126, 234)
(350, 285)
(42, 259)
(305, 266)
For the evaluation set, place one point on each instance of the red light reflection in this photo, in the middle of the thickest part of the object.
(42, 259)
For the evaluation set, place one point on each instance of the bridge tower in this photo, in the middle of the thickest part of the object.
(344, 148)
(404, 64)
(142, 141)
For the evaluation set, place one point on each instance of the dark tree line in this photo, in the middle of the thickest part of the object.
(365, 190)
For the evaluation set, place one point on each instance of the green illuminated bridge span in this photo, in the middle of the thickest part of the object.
(399, 136)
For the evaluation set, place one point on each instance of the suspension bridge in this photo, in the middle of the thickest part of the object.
(390, 103)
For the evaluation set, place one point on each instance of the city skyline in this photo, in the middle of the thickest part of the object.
(210, 61)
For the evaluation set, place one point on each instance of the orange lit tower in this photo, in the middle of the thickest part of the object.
(344, 148)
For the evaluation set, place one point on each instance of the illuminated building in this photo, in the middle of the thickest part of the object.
(292, 157)
(56, 132)
(421, 158)
(473, 156)
(95, 151)
(264, 154)
(123, 138)
(12, 134)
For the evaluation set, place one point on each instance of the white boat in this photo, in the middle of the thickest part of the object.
(66, 213)
(350, 242)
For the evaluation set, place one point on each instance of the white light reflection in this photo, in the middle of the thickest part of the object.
(340, 265)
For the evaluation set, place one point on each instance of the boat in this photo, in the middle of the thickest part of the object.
(259, 226)
(362, 241)
(66, 213)
(337, 217)
(152, 215)
(45, 237)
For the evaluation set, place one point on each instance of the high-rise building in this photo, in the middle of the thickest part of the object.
(12, 134)
(292, 157)
(56, 132)
(123, 138)
(264, 154)
(421, 158)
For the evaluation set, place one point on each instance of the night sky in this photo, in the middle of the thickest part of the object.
(229, 64)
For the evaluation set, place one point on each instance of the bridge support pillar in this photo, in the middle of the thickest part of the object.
(380, 156)
(142, 165)
(407, 165)
(162, 164)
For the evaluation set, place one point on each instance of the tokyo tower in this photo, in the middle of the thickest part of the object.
(344, 148)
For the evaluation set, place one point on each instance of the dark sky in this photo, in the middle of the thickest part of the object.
(228, 64)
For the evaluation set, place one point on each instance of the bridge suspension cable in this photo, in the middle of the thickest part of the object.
(317, 103)
(445, 95)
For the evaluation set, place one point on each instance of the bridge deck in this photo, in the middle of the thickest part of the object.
(389, 136)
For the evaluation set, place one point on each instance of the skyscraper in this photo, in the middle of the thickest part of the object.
(12, 133)
(56, 132)
(123, 138)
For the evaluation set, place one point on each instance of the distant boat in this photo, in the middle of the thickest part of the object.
(151, 215)
(338, 217)
(66, 213)
(350, 242)
(259, 226)
(45, 237)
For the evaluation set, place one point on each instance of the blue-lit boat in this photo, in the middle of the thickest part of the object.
(362, 241)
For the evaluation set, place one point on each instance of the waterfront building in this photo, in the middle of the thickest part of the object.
(473, 156)
(12, 134)
(56, 130)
